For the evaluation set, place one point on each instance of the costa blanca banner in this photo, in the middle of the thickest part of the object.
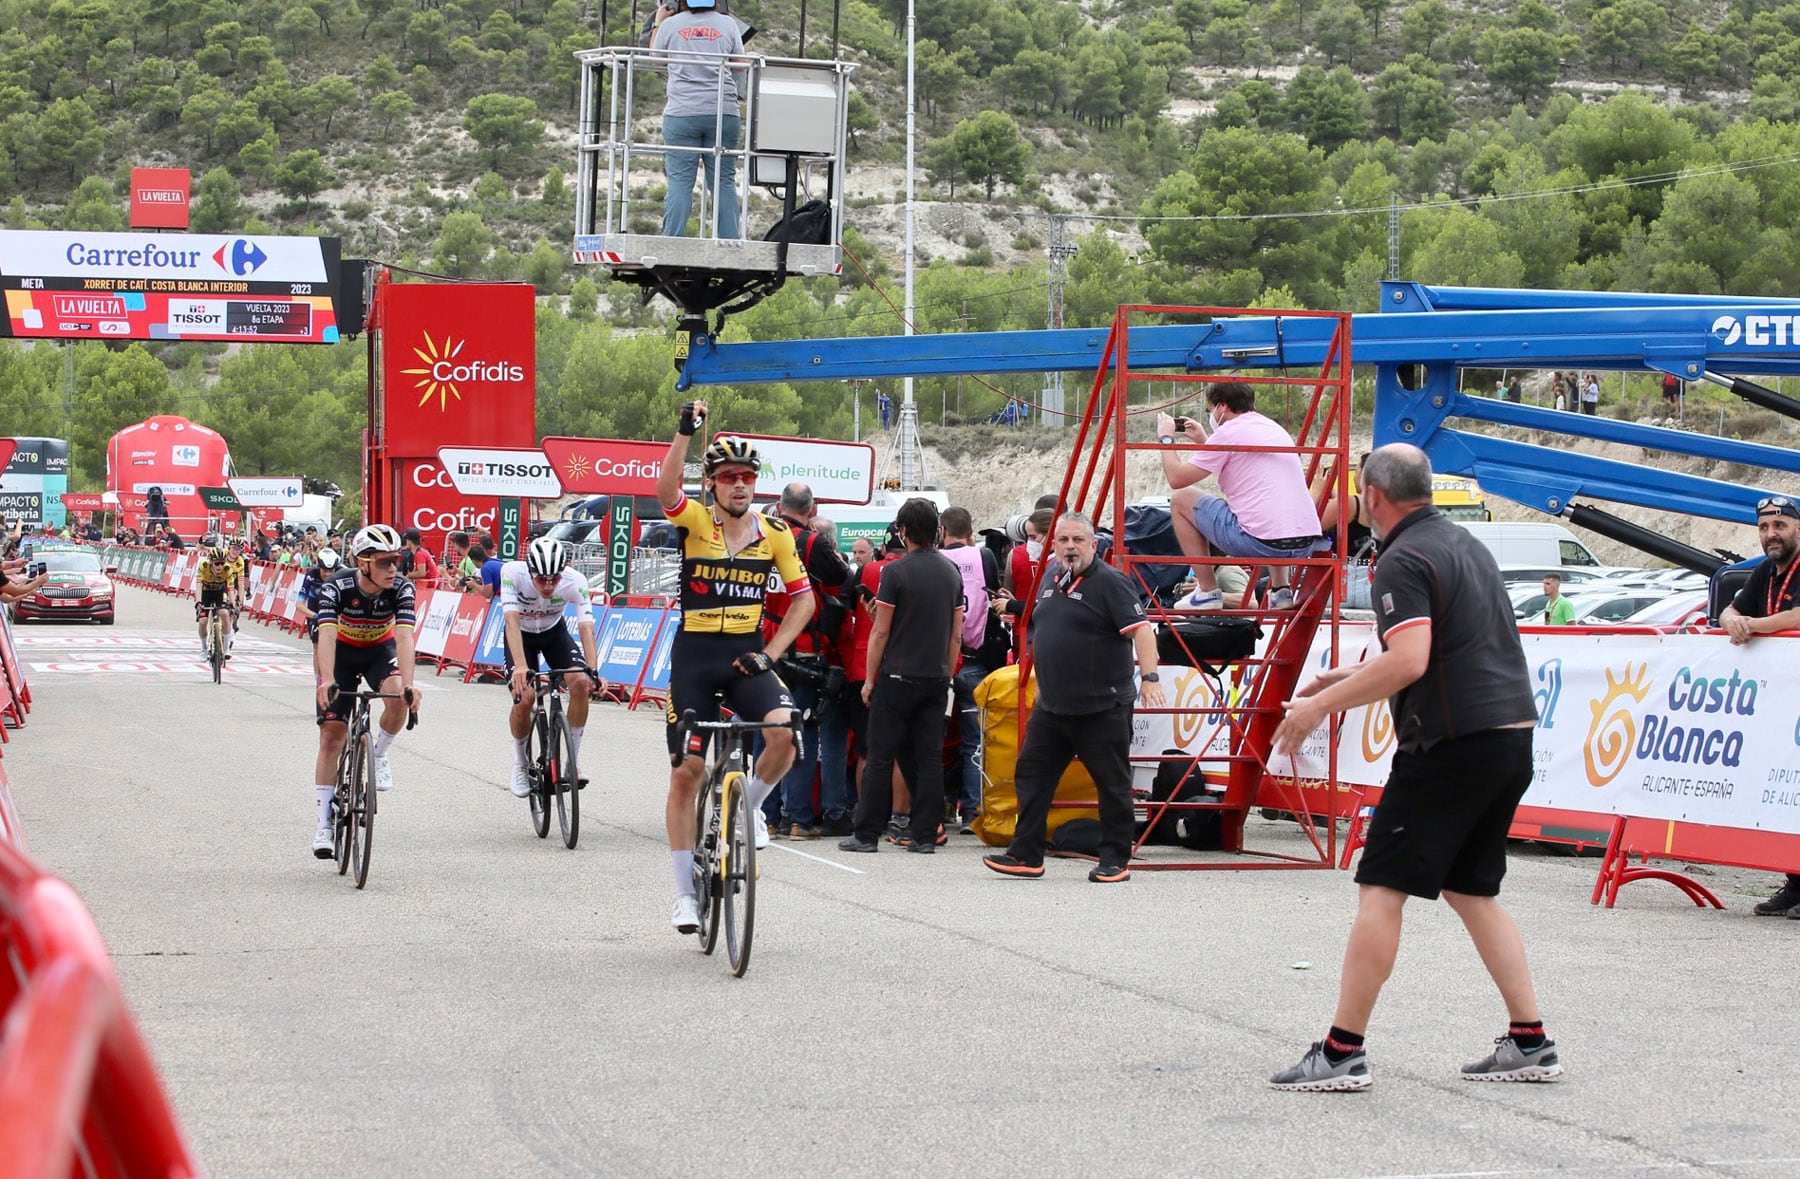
(1681, 727)
(517, 472)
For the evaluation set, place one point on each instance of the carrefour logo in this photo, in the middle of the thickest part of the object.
(1687, 734)
(444, 371)
(240, 257)
(1758, 331)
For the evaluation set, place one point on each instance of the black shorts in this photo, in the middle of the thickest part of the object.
(1442, 821)
(556, 645)
(700, 667)
(354, 667)
(209, 598)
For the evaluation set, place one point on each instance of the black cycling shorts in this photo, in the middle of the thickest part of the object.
(556, 645)
(210, 597)
(1443, 816)
(354, 667)
(699, 668)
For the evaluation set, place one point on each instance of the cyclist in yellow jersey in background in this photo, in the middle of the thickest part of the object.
(221, 579)
(728, 555)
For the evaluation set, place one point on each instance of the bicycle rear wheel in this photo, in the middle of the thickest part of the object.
(363, 833)
(738, 878)
(215, 652)
(343, 815)
(707, 822)
(536, 767)
(562, 778)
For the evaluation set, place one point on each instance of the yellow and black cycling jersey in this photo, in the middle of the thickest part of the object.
(220, 575)
(722, 592)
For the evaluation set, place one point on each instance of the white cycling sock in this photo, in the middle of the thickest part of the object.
(323, 794)
(575, 732)
(683, 863)
(522, 751)
(759, 791)
(384, 741)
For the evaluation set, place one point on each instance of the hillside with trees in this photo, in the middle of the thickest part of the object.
(1197, 151)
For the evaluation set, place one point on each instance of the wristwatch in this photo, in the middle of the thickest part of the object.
(1150, 677)
(1167, 440)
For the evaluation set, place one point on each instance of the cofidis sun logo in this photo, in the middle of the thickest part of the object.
(1696, 723)
(444, 371)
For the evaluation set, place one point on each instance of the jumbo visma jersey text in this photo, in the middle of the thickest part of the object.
(722, 592)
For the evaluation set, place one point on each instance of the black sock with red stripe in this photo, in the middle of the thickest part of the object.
(1528, 1036)
(1340, 1045)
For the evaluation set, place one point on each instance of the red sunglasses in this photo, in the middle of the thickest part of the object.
(730, 478)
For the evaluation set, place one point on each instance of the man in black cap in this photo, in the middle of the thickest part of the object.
(1765, 605)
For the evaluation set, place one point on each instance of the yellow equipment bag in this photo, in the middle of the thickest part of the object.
(998, 698)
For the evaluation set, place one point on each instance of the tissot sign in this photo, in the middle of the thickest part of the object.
(458, 365)
(523, 474)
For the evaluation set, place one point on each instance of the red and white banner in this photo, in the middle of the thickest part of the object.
(159, 198)
(458, 366)
(606, 466)
(436, 611)
(431, 503)
(465, 629)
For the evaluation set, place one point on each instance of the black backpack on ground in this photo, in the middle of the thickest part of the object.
(1181, 781)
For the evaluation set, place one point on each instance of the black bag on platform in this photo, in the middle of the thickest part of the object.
(810, 225)
(1208, 643)
(1181, 781)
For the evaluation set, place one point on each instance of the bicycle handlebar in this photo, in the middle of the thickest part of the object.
(689, 722)
(535, 677)
(406, 694)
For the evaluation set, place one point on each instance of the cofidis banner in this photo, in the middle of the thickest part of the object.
(458, 366)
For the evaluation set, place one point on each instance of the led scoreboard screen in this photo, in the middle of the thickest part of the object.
(165, 286)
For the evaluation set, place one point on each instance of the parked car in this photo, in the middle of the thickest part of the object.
(1534, 543)
(78, 587)
(1608, 609)
(1675, 611)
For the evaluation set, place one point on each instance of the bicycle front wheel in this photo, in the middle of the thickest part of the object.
(737, 880)
(708, 846)
(343, 812)
(216, 649)
(537, 762)
(562, 779)
(364, 831)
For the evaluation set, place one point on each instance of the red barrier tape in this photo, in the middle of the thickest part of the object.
(74, 1071)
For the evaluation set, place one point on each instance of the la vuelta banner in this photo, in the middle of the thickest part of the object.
(458, 366)
(1681, 727)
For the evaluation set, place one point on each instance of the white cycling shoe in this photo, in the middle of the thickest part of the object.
(384, 774)
(762, 829)
(521, 782)
(687, 914)
(323, 846)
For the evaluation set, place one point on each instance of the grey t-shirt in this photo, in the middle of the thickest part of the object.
(694, 86)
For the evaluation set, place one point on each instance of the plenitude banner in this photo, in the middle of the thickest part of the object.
(1679, 727)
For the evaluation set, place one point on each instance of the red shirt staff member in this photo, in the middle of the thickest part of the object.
(1454, 673)
(1765, 605)
(1086, 628)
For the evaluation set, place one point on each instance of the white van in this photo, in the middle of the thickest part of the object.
(1534, 543)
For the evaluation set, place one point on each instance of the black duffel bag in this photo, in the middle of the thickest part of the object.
(1207, 643)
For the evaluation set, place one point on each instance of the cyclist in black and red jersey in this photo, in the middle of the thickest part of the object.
(728, 555)
(365, 622)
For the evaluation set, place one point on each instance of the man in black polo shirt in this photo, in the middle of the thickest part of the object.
(1086, 628)
(1454, 674)
(912, 649)
(1765, 605)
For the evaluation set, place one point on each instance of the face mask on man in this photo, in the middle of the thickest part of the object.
(1034, 549)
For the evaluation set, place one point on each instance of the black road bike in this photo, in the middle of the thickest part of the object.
(353, 803)
(550, 758)
(725, 869)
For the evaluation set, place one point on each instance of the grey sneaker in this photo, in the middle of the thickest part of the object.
(1316, 1074)
(1509, 1062)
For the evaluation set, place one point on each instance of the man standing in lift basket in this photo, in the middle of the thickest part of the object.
(1765, 605)
(1462, 763)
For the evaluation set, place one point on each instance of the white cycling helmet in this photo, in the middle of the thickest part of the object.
(376, 538)
(328, 558)
(546, 558)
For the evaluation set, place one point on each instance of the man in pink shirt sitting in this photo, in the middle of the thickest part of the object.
(1266, 512)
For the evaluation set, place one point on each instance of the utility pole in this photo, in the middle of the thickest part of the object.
(962, 325)
(1061, 250)
(1394, 236)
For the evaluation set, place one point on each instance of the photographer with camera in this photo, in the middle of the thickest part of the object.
(814, 673)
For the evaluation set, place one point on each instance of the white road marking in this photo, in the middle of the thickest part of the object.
(794, 851)
(1595, 1169)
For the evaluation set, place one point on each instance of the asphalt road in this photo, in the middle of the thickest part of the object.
(493, 1004)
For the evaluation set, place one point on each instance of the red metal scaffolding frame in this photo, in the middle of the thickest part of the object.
(1249, 713)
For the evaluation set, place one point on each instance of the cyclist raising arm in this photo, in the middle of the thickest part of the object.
(727, 555)
(365, 623)
(533, 593)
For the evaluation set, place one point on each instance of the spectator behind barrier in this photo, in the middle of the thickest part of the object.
(984, 649)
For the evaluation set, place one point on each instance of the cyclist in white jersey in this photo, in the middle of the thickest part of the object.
(533, 595)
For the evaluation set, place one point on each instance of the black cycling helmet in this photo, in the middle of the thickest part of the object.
(730, 450)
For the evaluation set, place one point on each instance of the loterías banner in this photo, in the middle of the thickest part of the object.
(459, 367)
